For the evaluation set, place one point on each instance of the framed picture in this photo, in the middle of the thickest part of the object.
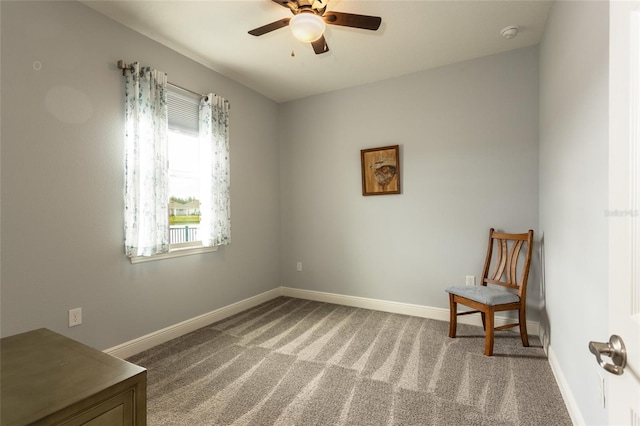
(380, 170)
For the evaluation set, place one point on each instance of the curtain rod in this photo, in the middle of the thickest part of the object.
(124, 67)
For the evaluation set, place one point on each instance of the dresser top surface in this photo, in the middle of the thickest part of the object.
(43, 372)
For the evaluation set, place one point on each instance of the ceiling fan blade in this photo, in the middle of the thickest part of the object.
(365, 22)
(289, 4)
(283, 3)
(270, 27)
(320, 46)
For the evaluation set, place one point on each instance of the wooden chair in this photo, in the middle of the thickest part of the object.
(488, 297)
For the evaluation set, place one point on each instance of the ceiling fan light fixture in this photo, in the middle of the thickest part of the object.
(307, 26)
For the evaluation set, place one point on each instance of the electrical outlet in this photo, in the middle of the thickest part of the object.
(75, 317)
(471, 280)
(299, 266)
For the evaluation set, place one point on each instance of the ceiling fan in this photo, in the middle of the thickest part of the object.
(309, 18)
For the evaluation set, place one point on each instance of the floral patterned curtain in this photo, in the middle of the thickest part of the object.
(215, 215)
(146, 190)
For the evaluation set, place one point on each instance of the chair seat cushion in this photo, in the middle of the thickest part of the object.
(486, 295)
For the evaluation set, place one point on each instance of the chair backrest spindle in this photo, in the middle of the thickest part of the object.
(508, 249)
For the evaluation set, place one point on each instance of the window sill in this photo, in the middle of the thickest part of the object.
(179, 252)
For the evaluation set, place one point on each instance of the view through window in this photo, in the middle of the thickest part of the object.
(184, 189)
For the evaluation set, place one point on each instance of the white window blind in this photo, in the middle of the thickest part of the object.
(183, 110)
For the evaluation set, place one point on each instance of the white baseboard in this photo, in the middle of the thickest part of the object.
(565, 390)
(398, 308)
(150, 340)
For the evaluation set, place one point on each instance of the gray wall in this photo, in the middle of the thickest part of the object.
(62, 182)
(468, 136)
(573, 192)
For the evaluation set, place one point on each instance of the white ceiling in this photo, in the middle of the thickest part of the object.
(415, 35)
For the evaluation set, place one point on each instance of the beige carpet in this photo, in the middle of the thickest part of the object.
(297, 362)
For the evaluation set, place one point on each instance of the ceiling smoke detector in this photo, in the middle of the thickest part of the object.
(510, 32)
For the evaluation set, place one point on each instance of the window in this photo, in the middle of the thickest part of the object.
(184, 170)
(176, 168)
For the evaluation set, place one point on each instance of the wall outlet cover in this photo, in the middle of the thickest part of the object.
(75, 317)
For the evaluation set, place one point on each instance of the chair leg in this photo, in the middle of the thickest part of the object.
(488, 339)
(453, 316)
(484, 321)
(522, 319)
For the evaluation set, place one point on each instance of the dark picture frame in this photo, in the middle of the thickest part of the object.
(380, 170)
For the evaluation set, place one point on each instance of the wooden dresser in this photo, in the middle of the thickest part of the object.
(49, 379)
